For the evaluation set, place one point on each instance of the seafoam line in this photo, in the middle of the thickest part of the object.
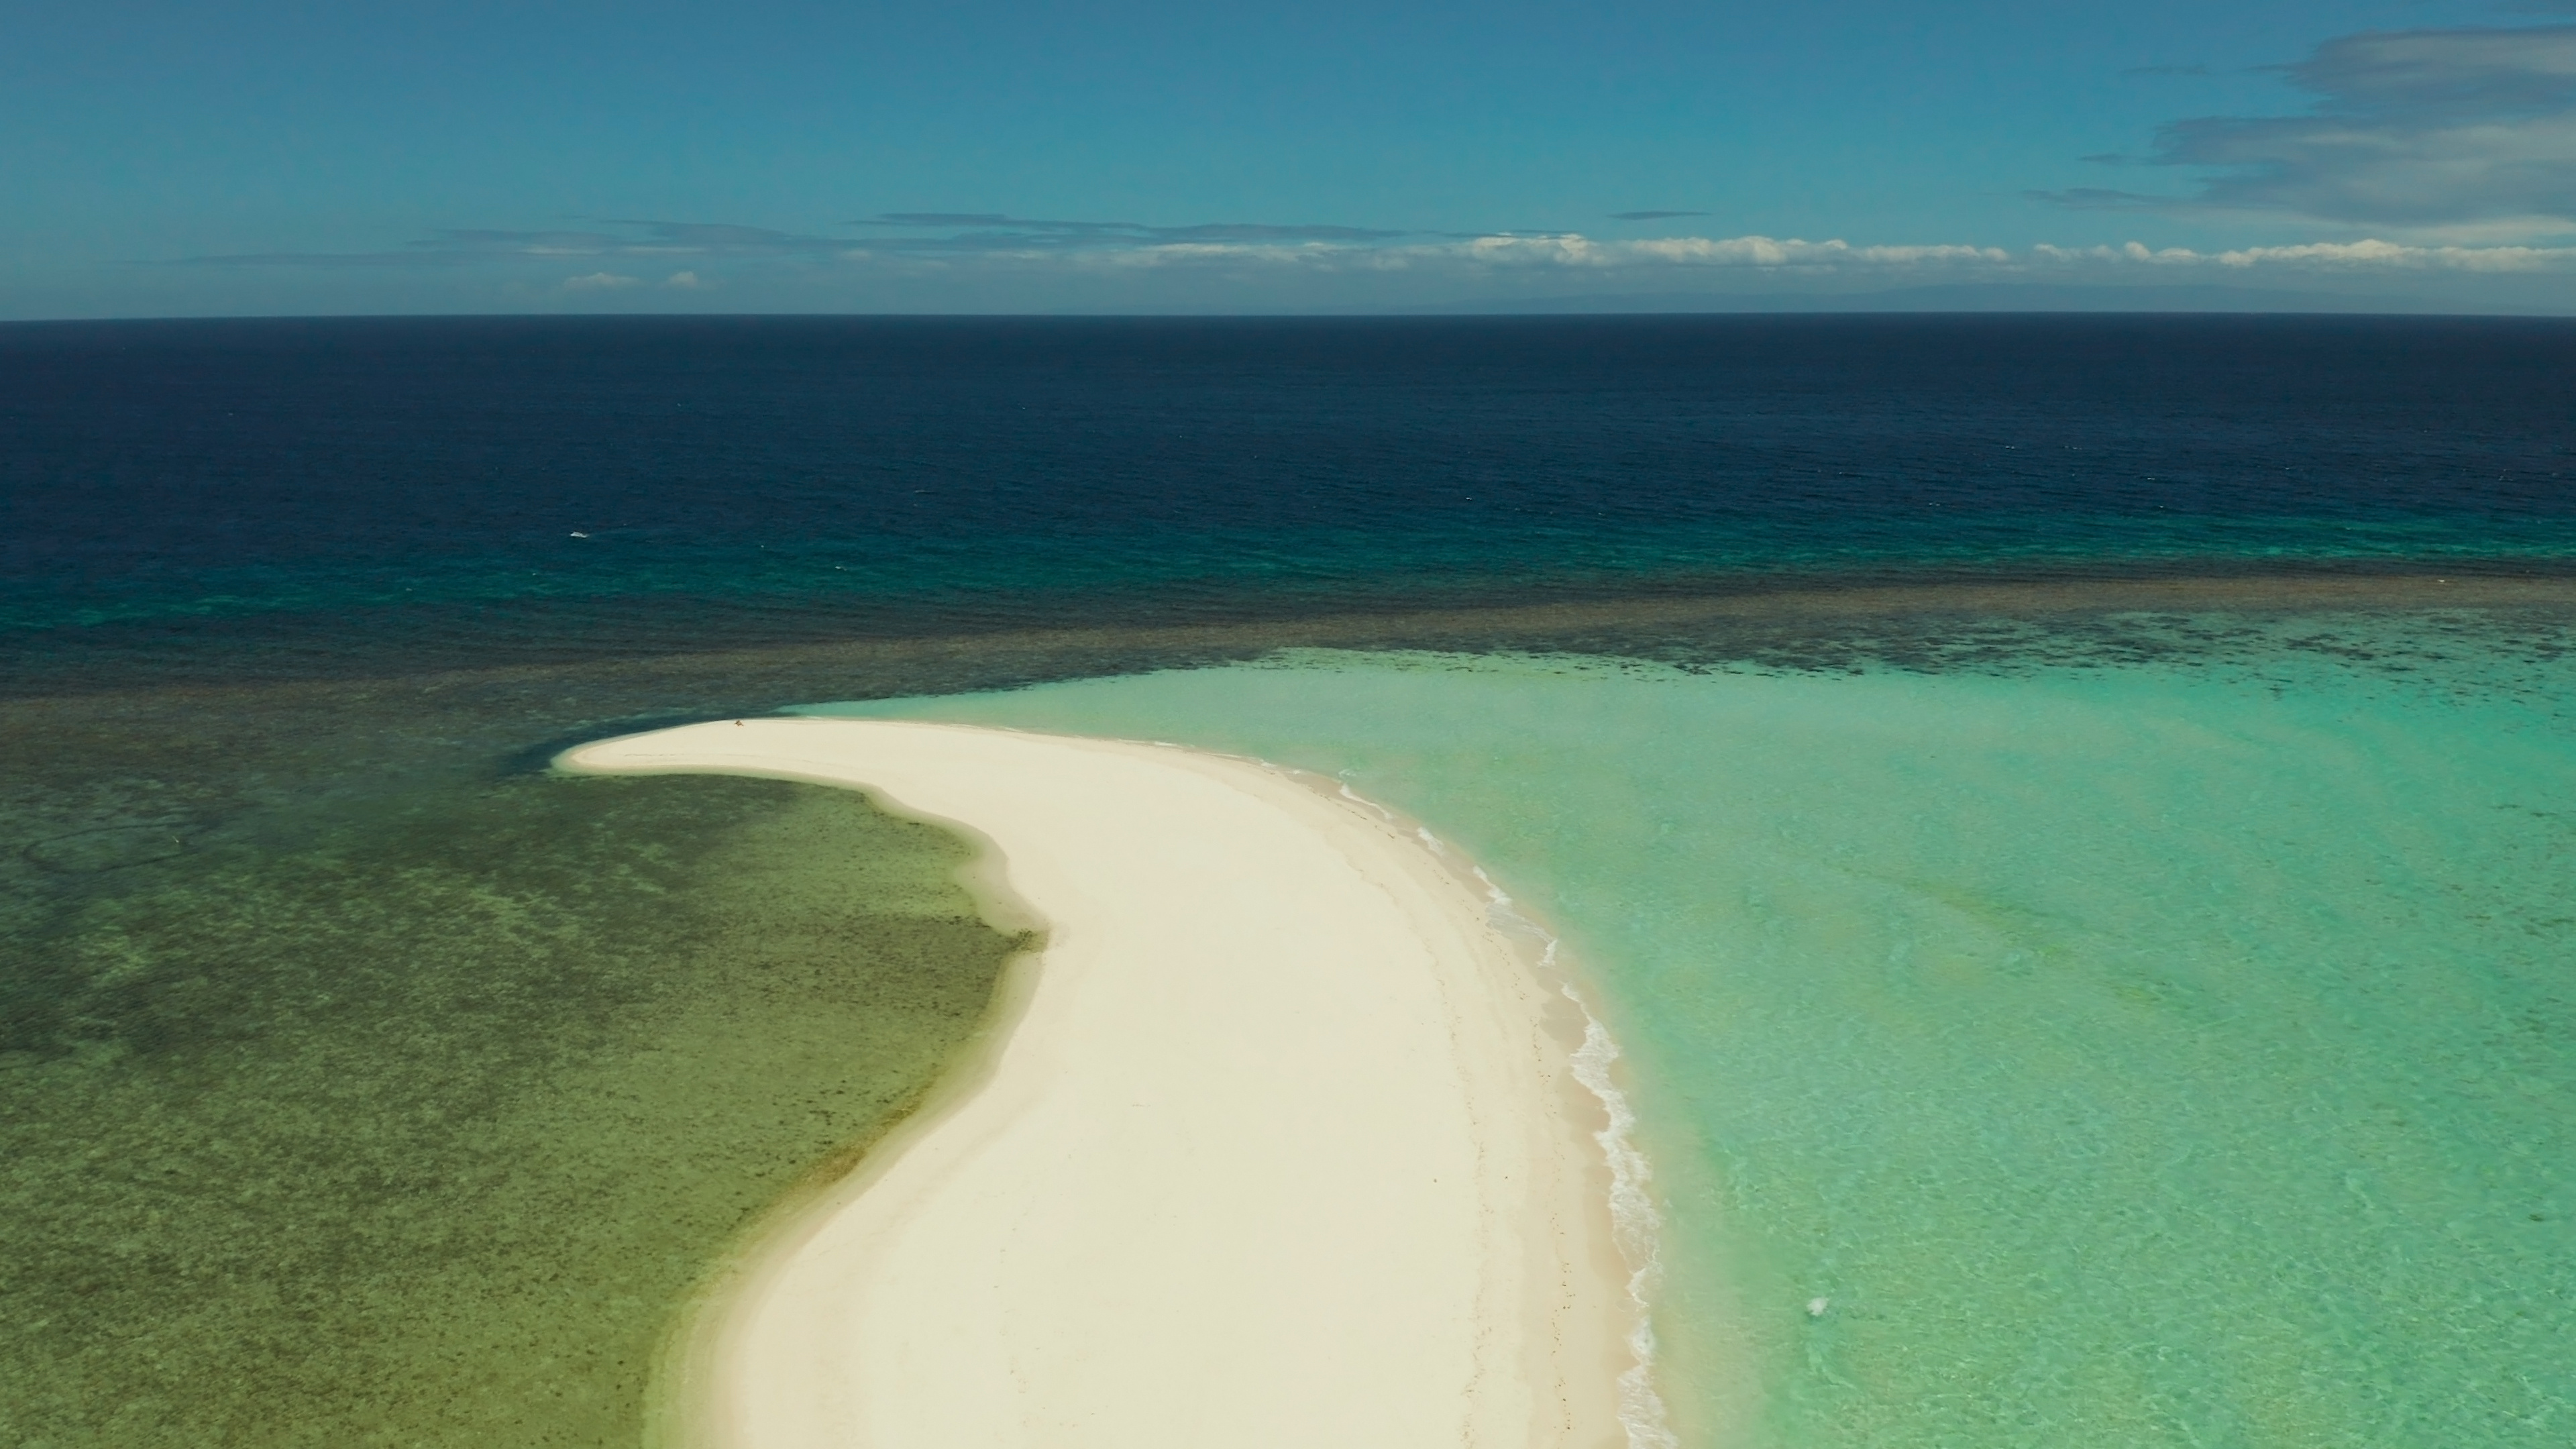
(1636, 1224)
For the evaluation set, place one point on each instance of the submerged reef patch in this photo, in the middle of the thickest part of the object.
(421, 1123)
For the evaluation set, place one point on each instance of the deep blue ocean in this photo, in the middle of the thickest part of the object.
(2069, 818)
(472, 489)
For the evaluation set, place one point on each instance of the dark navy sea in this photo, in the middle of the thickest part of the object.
(409, 492)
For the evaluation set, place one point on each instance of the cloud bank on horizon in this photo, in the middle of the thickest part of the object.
(2423, 164)
(946, 240)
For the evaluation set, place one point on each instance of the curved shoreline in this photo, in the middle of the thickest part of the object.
(1281, 1140)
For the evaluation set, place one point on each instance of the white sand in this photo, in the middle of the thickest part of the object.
(1279, 1143)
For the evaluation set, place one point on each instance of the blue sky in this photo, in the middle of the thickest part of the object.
(266, 157)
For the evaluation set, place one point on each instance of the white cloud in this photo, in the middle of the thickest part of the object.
(1781, 256)
(1519, 253)
(2450, 133)
(1770, 253)
(1230, 266)
(2360, 256)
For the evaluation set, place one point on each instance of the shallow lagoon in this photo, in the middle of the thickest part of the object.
(2173, 1053)
(422, 1125)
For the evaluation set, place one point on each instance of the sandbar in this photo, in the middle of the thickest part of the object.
(1276, 1141)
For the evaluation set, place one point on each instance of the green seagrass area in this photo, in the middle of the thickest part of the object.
(419, 1124)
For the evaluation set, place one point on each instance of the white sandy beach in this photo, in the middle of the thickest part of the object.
(1277, 1143)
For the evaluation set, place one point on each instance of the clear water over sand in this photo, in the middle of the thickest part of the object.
(419, 1123)
(2176, 1053)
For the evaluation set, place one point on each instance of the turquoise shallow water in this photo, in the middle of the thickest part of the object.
(2171, 1054)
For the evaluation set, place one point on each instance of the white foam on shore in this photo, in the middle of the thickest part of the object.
(1359, 799)
(1636, 1223)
